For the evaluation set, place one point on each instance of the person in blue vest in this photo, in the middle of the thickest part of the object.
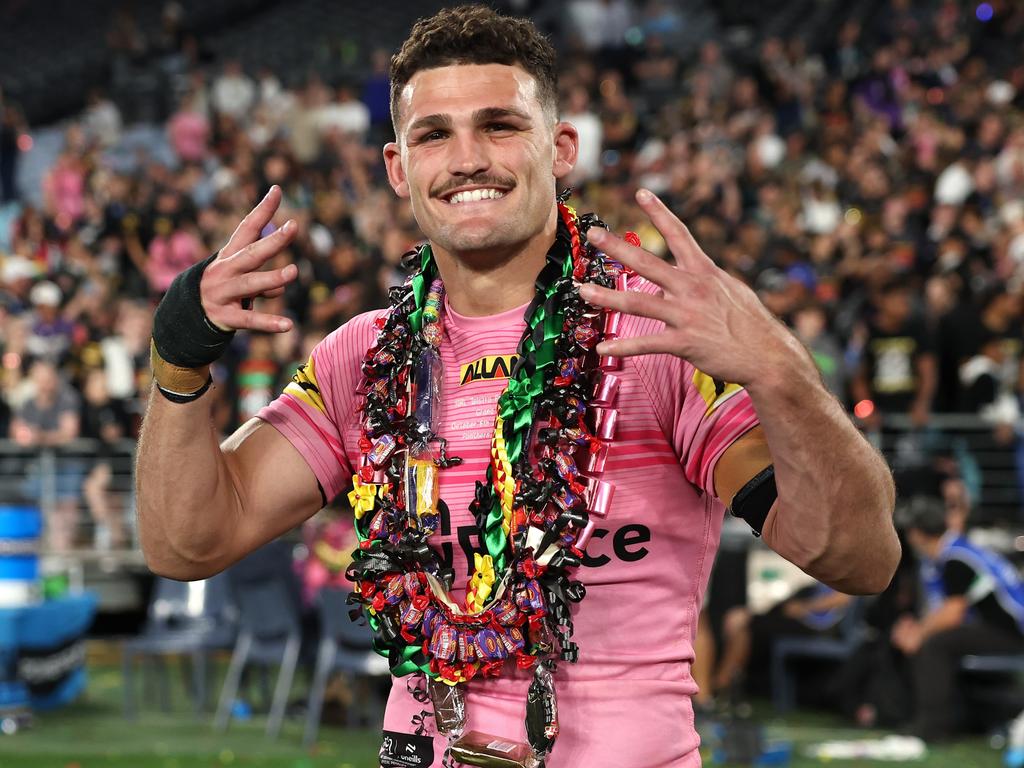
(974, 604)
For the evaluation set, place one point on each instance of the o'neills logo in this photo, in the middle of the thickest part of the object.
(489, 367)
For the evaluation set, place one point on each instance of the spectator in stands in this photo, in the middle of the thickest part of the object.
(64, 188)
(810, 323)
(189, 130)
(376, 93)
(102, 119)
(50, 334)
(233, 92)
(49, 419)
(986, 390)
(748, 638)
(345, 115)
(576, 110)
(975, 602)
(897, 370)
(105, 421)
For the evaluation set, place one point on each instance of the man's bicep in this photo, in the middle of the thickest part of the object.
(740, 463)
(277, 488)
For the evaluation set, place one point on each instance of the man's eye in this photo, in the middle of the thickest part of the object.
(432, 136)
(499, 127)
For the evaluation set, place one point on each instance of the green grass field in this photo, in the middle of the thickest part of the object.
(93, 734)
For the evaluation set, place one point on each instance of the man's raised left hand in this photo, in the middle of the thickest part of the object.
(711, 319)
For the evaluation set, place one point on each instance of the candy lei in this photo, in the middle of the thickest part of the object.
(542, 489)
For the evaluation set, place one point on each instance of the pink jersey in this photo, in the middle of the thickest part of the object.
(627, 700)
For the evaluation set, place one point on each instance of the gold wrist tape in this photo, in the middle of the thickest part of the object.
(181, 381)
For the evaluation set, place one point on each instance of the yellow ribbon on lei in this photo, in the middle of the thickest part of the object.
(480, 584)
(363, 496)
(504, 482)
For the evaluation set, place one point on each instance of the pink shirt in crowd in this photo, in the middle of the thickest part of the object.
(626, 703)
(171, 255)
(189, 132)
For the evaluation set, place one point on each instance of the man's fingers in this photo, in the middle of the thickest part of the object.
(256, 283)
(677, 235)
(240, 319)
(640, 345)
(637, 259)
(248, 230)
(630, 302)
(254, 255)
(273, 293)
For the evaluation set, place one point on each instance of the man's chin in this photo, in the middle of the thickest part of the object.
(475, 241)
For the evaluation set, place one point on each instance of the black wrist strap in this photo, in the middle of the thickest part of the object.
(183, 334)
(754, 500)
(181, 397)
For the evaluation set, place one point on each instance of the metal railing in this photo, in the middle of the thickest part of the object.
(85, 490)
(988, 458)
(65, 480)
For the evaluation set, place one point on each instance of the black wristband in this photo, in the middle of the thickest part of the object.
(183, 334)
(179, 398)
(754, 500)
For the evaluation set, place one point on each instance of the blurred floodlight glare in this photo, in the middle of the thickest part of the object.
(983, 12)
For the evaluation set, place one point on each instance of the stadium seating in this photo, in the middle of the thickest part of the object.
(347, 647)
(270, 632)
(192, 619)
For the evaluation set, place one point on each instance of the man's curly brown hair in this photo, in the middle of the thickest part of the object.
(475, 34)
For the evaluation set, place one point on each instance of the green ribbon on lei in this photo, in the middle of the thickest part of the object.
(515, 406)
(420, 286)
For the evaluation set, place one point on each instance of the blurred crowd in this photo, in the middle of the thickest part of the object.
(869, 185)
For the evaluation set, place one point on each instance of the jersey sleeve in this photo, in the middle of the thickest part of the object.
(713, 416)
(316, 410)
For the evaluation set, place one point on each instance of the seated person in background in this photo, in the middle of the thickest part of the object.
(748, 638)
(975, 604)
(104, 419)
(49, 420)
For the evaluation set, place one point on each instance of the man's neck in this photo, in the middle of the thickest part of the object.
(492, 282)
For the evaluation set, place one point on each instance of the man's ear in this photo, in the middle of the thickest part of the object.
(567, 145)
(396, 173)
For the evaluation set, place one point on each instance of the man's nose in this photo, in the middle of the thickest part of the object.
(469, 156)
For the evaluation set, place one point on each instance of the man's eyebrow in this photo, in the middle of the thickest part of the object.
(431, 121)
(493, 113)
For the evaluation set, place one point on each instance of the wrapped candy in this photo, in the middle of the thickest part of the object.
(413, 612)
(381, 450)
(394, 591)
(449, 706)
(444, 642)
(486, 751)
(542, 711)
(421, 481)
(467, 646)
(585, 336)
(427, 381)
(489, 645)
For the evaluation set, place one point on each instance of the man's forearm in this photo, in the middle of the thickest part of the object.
(186, 500)
(947, 616)
(833, 515)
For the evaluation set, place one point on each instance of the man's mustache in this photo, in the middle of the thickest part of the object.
(476, 181)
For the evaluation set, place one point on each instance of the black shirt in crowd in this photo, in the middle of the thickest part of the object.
(891, 360)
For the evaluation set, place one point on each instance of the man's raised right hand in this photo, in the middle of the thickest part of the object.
(235, 277)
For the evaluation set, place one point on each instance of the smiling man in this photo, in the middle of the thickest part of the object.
(540, 434)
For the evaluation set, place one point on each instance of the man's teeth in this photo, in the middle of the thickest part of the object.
(474, 195)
